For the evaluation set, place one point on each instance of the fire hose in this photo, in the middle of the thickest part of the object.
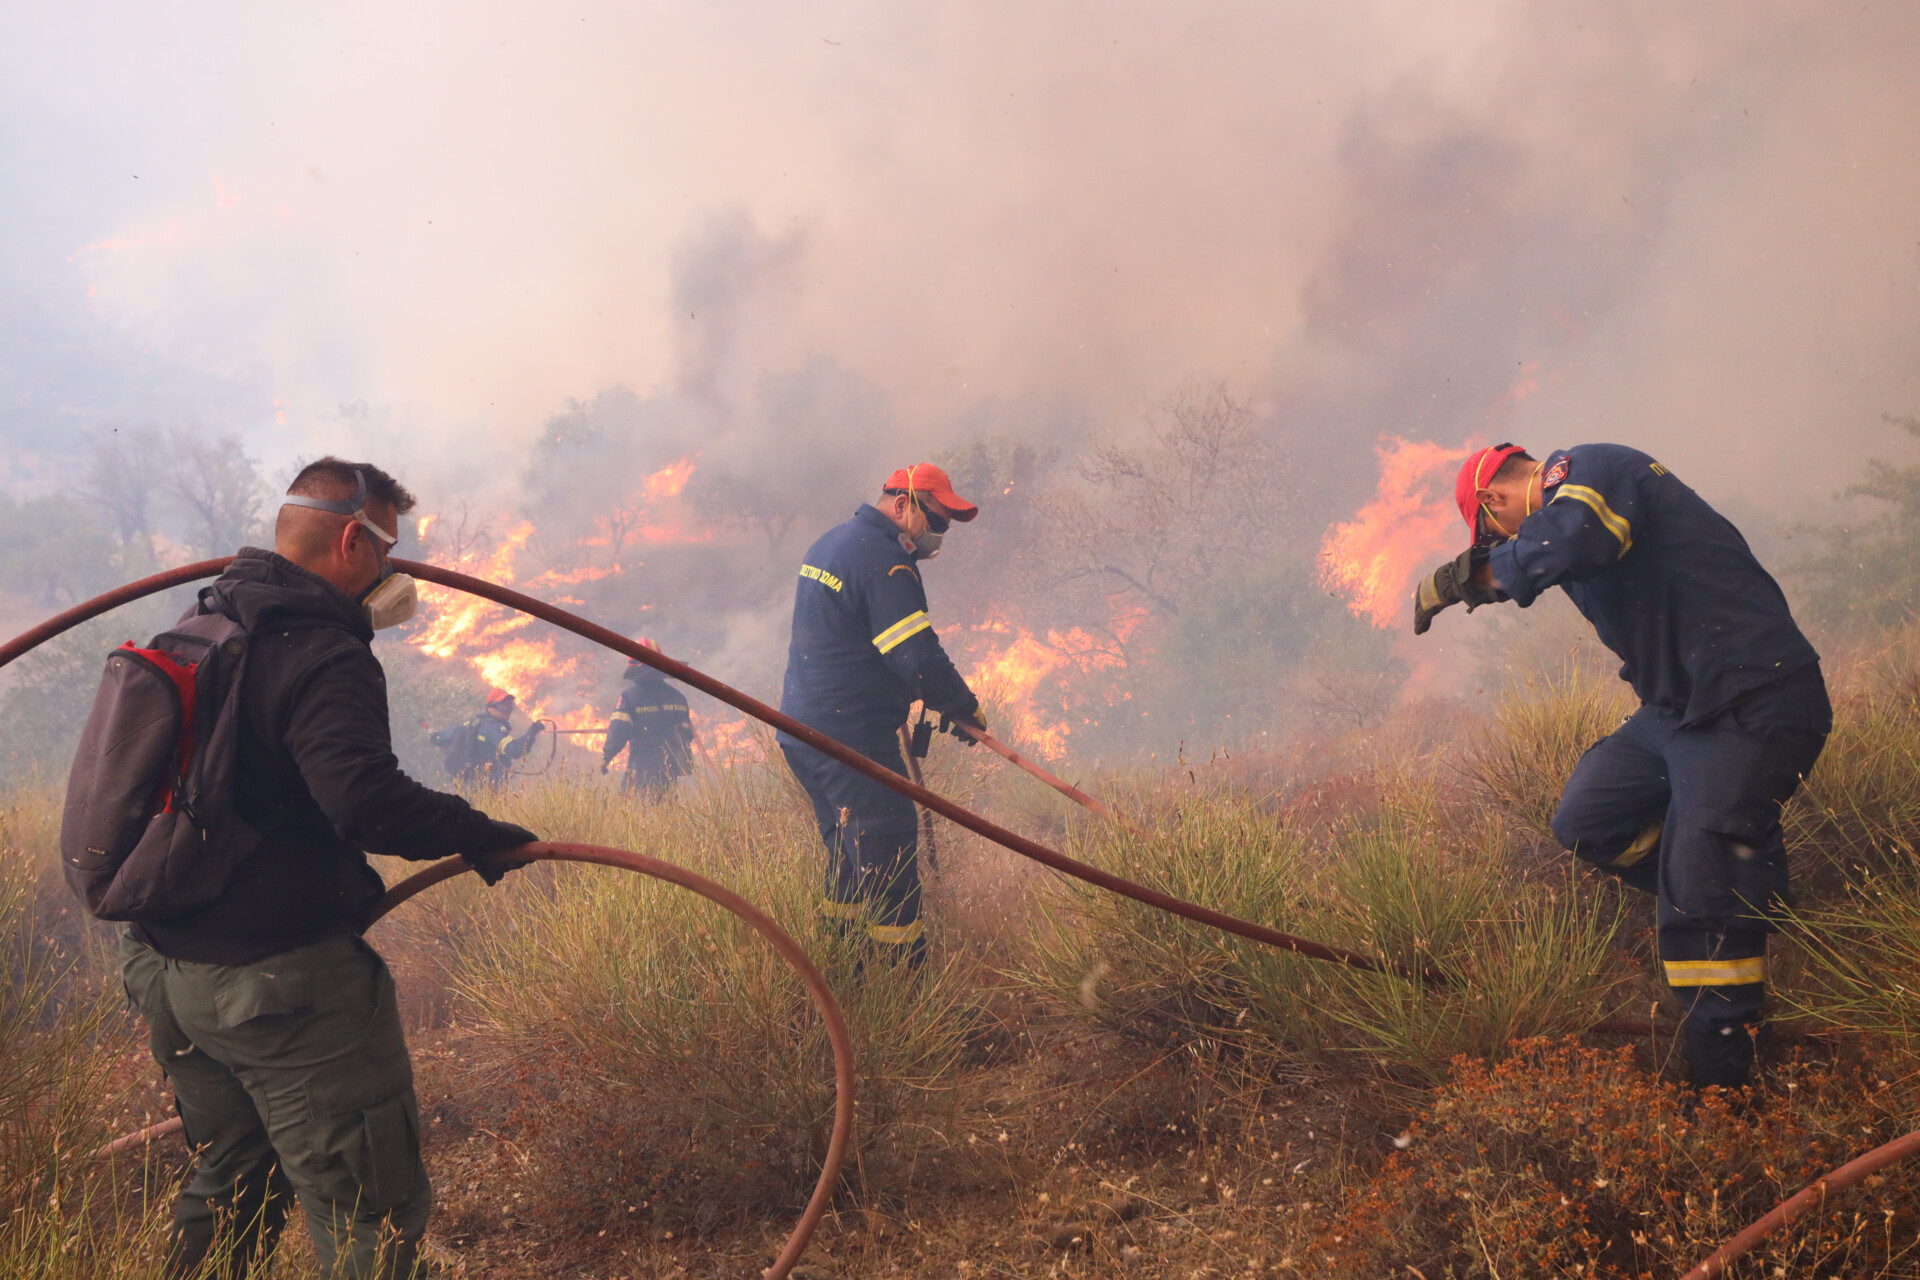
(786, 724)
(960, 816)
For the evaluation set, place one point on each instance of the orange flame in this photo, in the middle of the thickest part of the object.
(669, 480)
(1409, 524)
(1035, 683)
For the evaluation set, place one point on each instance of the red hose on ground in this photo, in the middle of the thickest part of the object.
(1803, 1203)
(781, 941)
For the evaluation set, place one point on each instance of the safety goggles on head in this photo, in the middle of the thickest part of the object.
(356, 507)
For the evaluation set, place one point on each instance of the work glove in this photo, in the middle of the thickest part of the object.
(492, 867)
(536, 728)
(974, 719)
(1451, 584)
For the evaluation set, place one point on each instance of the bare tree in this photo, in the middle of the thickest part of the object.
(215, 486)
(1149, 525)
(123, 470)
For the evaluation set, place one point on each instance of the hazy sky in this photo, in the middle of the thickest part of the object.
(415, 230)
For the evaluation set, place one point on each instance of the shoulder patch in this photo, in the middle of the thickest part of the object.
(907, 569)
(1555, 473)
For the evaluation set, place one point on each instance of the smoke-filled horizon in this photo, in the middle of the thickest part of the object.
(423, 231)
(527, 258)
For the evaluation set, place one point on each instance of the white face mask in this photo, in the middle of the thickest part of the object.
(925, 545)
(392, 601)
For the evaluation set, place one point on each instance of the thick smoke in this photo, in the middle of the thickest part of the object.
(813, 243)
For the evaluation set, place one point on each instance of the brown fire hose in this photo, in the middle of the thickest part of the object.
(1000, 748)
(1805, 1202)
(781, 941)
(1787, 1212)
(600, 635)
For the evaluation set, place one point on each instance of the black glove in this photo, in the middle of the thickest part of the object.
(493, 866)
(973, 720)
(1452, 583)
(536, 728)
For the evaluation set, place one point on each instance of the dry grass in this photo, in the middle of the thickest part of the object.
(1516, 956)
(618, 1082)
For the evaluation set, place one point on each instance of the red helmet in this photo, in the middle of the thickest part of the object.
(645, 642)
(495, 697)
(1475, 473)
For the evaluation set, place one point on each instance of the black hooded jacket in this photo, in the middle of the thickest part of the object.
(316, 770)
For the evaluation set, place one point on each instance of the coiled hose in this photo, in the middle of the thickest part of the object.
(1787, 1212)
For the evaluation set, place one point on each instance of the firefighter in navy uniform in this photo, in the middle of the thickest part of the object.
(655, 726)
(1683, 800)
(484, 748)
(863, 651)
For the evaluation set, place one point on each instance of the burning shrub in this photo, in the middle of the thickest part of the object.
(689, 1011)
(1563, 1160)
(1514, 957)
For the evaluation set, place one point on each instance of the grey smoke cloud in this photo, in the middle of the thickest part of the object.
(1695, 229)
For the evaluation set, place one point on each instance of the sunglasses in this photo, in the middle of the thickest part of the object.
(935, 521)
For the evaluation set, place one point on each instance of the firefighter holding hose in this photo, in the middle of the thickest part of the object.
(654, 726)
(863, 651)
(484, 748)
(275, 1022)
(1683, 800)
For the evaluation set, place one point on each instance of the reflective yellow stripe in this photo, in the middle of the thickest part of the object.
(1616, 525)
(843, 910)
(911, 625)
(621, 715)
(1643, 844)
(895, 935)
(1716, 973)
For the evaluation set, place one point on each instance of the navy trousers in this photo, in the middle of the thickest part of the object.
(872, 836)
(1691, 814)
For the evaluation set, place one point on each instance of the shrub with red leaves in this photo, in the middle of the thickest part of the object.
(1567, 1160)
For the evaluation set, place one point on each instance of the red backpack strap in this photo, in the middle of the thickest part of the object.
(182, 675)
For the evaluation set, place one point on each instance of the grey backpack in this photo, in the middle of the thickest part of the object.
(150, 830)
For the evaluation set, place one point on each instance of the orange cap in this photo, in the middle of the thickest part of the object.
(498, 695)
(924, 477)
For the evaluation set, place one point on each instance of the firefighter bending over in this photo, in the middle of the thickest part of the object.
(484, 748)
(863, 651)
(1683, 800)
(654, 725)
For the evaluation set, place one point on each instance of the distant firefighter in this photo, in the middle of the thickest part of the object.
(654, 726)
(863, 652)
(484, 748)
(1683, 800)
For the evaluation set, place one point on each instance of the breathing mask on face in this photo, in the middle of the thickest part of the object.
(392, 601)
(925, 545)
(393, 597)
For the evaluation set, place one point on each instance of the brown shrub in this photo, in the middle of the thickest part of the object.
(1566, 1160)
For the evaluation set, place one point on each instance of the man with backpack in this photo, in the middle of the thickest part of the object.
(653, 724)
(484, 748)
(274, 1021)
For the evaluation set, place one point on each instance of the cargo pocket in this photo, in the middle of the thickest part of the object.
(369, 1131)
(274, 986)
(1728, 870)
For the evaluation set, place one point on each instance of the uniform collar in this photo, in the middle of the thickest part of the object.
(870, 514)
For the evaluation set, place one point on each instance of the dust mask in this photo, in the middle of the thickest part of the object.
(392, 601)
(925, 545)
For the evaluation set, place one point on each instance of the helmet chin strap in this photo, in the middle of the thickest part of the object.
(1495, 520)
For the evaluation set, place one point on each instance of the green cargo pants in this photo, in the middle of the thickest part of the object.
(293, 1079)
